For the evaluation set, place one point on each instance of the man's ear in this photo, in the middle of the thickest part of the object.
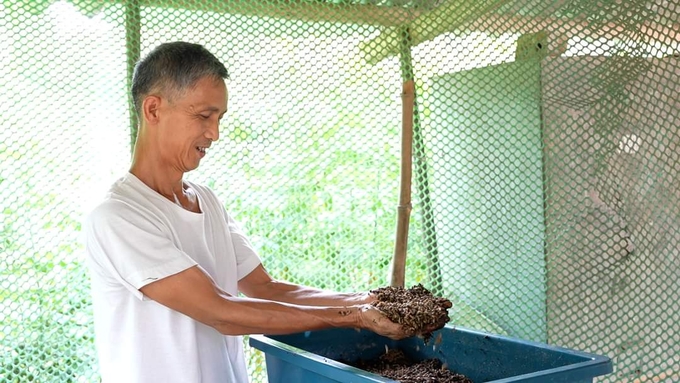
(150, 109)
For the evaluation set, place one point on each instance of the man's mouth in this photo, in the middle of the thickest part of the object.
(201, 149)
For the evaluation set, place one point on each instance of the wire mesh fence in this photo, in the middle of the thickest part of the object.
(546, 160)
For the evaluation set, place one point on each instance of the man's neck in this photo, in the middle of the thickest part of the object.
(165, 181)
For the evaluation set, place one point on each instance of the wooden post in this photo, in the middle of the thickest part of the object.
(404, 209)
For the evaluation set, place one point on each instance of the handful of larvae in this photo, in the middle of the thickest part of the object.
(416, 308)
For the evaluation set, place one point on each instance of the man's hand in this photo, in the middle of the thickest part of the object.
(372, 319)
(441, 322)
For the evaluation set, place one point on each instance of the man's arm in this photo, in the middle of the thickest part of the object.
(193, 293)
(259, 284)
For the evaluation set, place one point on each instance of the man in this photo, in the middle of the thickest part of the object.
(166, 259)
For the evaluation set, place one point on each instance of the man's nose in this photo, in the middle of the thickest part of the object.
(213, 132)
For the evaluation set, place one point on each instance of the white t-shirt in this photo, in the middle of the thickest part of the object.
(136, 236)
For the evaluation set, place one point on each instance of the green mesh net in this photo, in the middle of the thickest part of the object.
(546, 164)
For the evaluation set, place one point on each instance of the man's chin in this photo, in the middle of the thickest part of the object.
(190, 167)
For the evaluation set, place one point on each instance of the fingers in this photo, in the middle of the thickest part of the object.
(398, 332)
(445, 303)
(439, 324)
(434, 327)
(377, 322)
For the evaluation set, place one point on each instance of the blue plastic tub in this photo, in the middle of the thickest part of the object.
(314, 356)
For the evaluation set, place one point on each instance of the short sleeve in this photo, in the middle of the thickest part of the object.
(131, 247)
(246, 256)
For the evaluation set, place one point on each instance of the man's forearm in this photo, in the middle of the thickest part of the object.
(238, 316)
(309, 296)
(259, 284)
(193, 294)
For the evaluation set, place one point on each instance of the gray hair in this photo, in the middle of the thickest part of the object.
(173, 68)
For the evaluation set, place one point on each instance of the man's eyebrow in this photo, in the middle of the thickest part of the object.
(211, 108)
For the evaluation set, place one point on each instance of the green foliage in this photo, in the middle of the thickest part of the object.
(332, 227)
(52, 336)
(59, 354)
(46, 332)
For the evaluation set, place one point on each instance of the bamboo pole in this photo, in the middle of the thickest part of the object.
(404, 209)
(420, 169)
(419, 166)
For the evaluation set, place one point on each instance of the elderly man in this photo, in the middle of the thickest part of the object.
(166, 259)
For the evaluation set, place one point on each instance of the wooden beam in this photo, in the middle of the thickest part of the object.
(309, 10)
(447, 17)
(482, 18)
(647, 32)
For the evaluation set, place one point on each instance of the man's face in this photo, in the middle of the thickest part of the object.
(190, 123)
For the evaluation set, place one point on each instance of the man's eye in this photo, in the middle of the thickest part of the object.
(205, 117)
